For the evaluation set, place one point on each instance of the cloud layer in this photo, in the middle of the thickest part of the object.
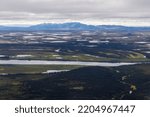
(88, 11)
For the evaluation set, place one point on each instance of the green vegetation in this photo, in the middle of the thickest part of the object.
(129, 82)
(113, 55)
(14, 69)
(135, 55)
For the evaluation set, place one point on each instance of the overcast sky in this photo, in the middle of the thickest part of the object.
(119, 12)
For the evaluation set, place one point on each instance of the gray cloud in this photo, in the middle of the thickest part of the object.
(74, 10)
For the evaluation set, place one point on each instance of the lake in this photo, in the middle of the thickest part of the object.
(44, 62)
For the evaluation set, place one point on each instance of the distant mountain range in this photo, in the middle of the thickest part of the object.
(72, 26)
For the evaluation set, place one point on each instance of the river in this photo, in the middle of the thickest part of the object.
(44, 62)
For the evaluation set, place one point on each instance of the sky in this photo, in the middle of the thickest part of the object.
(96, 12)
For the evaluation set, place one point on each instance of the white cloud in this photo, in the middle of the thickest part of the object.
(93, 11)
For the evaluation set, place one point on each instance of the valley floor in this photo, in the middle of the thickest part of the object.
(75, 64)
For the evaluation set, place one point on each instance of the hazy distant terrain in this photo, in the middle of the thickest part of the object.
(73, 26)
(95, 54)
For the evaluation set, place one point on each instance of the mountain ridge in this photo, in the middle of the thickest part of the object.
(71, 26)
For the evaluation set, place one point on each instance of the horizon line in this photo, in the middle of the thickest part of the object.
(29, 25)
